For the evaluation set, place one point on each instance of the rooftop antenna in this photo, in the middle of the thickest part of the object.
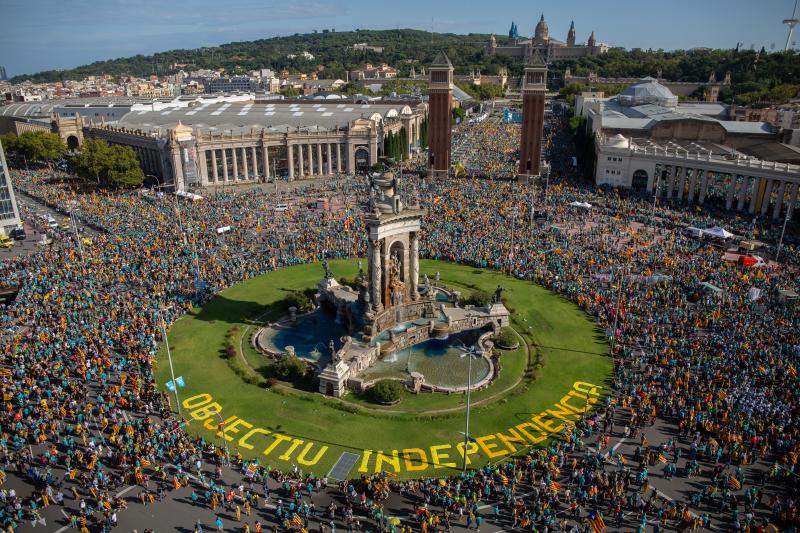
(792, 22)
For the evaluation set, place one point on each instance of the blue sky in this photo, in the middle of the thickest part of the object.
(43, 34)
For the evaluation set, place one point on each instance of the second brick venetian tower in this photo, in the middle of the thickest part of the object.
(439, 111)
(534, 86)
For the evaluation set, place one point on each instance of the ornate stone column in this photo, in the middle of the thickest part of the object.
(245, 174)
(300, 161)
(704, 187)
(671, 181)
(290, 160)
(255, 161)
(692, 185)
(265, 158)
(776, 213)
(235, 165)
(754, 195)
(792, 200)
(224, 164)
(742, 193)
(339, 158)
(373, 147)
(375, 266)
(319, 159)
(729, 192)
(310, 149)
(682, 184)
(413, 256)
(767, 197)
(351, 158)
(330, 159)
(214, 170)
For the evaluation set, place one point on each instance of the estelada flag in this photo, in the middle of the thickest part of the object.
(792, 371)
(595, 519)
(735, 483)
(662, 459)
(144, 462)
(555, 487)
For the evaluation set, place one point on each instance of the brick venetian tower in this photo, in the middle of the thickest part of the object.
(534, 86)
(439, 107)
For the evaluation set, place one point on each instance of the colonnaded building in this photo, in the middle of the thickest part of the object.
(647, 140)
(547, 47)
(199, 142)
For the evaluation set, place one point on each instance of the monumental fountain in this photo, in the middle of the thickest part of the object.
(388, 325)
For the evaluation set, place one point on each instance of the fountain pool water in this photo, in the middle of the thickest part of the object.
(309, 335)
(439, 360)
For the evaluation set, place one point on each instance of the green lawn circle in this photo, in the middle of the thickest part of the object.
(562, 346)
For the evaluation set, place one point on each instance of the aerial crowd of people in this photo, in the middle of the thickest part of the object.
(704, 347)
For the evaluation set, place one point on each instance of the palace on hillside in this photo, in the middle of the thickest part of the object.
(549, 48)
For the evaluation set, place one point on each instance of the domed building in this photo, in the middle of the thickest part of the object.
(647, 91)
(542, 33)
(549, 48)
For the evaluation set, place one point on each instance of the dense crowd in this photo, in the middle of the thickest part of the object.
(487, 149)
(82, 415)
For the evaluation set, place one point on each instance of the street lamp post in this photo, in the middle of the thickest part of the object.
(533, 200)
(513, 230)
(75, 231)
(184, 236)
(616, 312)
(653, 210)
(222, 437)
(783, 231)
(169, 358)
(470, 354)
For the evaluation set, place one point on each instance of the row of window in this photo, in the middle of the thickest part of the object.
(615, 158)
(617, 172)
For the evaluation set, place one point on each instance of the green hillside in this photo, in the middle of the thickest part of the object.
(756, 75)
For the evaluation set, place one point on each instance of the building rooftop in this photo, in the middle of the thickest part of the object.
(441, 60)
(277, 116)
(616, 115)
(647, 91)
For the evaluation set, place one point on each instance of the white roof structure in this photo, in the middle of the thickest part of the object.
(647, 91)
(718, 232)
(647, 104)
(274, 116)
(618, 141)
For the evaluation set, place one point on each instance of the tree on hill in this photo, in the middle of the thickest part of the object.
(753, 75)
(109, 165)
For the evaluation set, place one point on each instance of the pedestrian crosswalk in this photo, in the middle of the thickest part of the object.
(343, 466)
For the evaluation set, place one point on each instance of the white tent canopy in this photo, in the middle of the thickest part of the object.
(718, 232)
(585, 205)
(189, 195)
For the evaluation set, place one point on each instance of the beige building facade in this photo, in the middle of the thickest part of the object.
(222, 144)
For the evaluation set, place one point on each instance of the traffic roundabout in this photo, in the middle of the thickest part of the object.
(236, 396)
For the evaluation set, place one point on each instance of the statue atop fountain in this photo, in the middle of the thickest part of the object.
(498, 295)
